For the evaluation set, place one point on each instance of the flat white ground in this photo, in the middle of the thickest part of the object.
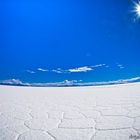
(73, 113)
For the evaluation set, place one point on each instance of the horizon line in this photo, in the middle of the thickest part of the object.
(67, 83)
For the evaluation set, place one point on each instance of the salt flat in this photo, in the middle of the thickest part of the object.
(70, 113)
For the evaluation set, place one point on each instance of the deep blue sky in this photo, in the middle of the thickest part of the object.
(68, 34)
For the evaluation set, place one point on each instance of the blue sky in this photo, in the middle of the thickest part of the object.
(50, 41)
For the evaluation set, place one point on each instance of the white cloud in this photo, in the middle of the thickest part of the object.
(58, 70)
(12, 81)
(81, 69)
(71, 70)
(85, 68)
(30, 71)
(120, 66)
(121, 81)
(78, 69)
(43, 70)
(65, 83)
(57, 84)
(69, 82)
(130, 80)
(99, 65)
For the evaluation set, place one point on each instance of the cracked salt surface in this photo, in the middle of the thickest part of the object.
(35, 135)
(76, 113)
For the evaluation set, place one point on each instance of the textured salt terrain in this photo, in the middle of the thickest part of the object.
(76, 113)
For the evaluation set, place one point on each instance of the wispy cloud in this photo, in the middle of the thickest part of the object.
(70, 70)
(43, 70)
(65, 83)
(30, 71)
(85, 68)
(69, 82)
(58, 70)
(99, 65)
(120, 66)
(120, 81)
(12, 82)
(80, 69)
